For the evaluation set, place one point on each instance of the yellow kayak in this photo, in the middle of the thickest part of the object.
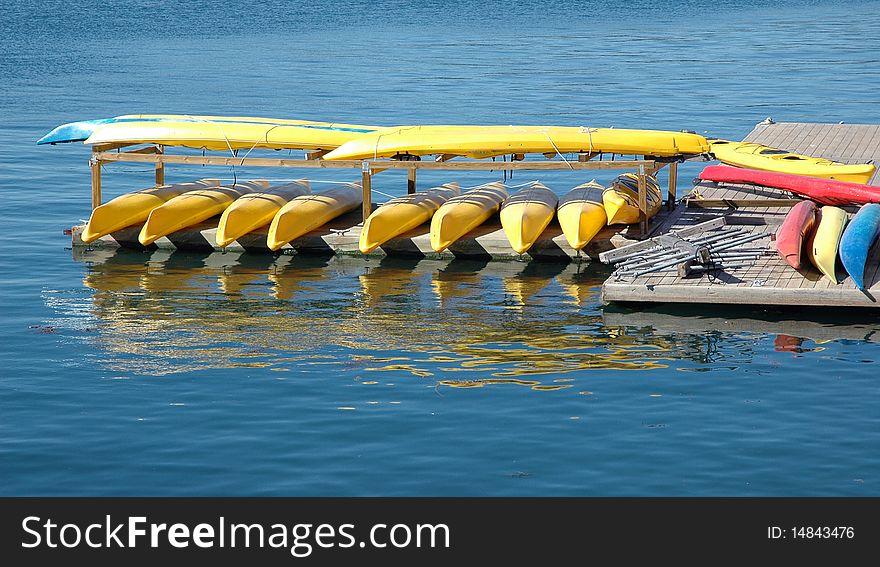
(250, 119)
(581, 214)
(192, 208)
(460, 215)
(823, 242)
(756, 156)
(526, 214)
(227, 135)
(254, 210)
(134, 208)
(309, 212)
(402, 214)
(489, 141)
(621, 199)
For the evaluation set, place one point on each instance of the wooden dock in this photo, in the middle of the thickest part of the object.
(770, 280)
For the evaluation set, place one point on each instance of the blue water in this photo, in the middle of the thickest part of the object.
(155, 373)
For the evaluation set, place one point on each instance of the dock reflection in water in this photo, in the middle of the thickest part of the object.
(462, 324)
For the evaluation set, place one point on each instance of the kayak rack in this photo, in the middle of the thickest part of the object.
(156, 154)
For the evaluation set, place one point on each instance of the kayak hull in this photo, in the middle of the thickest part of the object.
(823, 243)
(402, 214)
(621, 199)
(581, 214)
(192, 208)
(460, 215)
(134, 208)
(823, 191)
(250, 212)
(222, 136)
(798, 224)
(525, 215)
(489, 141)
(858, 238)
(756, 156)
(308, 212)
(81, 130)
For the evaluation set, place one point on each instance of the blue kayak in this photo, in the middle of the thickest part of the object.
(73, 131)
(856, 242)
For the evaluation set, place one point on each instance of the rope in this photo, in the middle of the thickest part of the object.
(549, 139)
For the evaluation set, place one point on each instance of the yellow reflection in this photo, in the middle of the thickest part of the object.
(164, 312)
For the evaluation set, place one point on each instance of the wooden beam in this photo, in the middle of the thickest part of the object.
(643, 202)
(96, 182)
(411, 181)
(317, 154)
(508, 165)
(673, 186)
(375, 165)
(111, 146)
(148, 150)
(160, 168)
(367, 186)
(217, 160)
(739, 203)
(656, 168)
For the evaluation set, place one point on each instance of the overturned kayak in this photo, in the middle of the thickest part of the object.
(525, 215)
(858, 238)
(798, 224)
(192, 208)
(621, 198)
(756, 156)
(402, 214)
(250, 212)
(490, 141)
(581, 214)
(81, 130)
(134, 208)
(823, 191)
(460, 215)
(227, 135)
(309, 212)
(823, 242)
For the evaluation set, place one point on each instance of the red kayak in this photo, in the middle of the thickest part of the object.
(824, 191)
(797, 225)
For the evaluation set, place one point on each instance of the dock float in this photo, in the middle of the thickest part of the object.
(769, 280)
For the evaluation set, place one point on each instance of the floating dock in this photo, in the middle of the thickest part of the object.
(766, 281)
(769, 280)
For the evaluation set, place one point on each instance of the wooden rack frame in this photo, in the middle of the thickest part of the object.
(368, 168)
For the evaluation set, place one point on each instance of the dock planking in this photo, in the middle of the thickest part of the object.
(770, 280)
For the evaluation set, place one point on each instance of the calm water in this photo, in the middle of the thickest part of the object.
(158, 373)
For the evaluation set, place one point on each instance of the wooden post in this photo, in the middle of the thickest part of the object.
(411, 181)
(643, 202)
(673, 182)
(95, 164)
(160, 168)
(366, 184)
